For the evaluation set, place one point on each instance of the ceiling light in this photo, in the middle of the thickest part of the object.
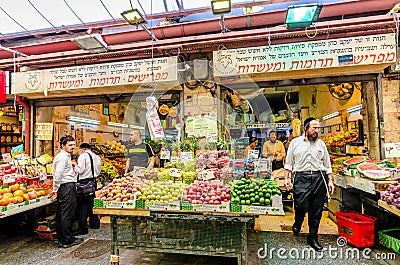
(302, 16)
(117, 124)
(136, 127)
(221, 6)
(83, 120)
(92, 42)
(330, 116)
(134, 17)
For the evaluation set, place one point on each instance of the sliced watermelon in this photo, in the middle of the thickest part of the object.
(376, 174)
(367, 166)
(353, 162)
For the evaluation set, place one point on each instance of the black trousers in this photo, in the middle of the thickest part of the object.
(65, 212)
(84, 206)
(309, 192)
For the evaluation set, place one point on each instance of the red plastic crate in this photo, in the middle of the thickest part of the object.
(358, 229)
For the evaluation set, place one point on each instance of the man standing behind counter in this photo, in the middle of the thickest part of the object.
(64, 191)
(308, 158)
(139, 154)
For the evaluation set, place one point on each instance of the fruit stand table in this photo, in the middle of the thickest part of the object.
(185, 232)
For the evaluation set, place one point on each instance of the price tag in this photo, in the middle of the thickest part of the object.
(43, 176)
(392, 150)
(174, 158)
(165, 154)
(395, 173)
(175, 172)
(253, 153)
(139, 171)
(9, 178)
(186, 156)
(260, 166)
(206, 174)
(7, 157)
(211, 138)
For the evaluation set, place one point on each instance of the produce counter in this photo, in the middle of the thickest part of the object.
(23, 207)
(389, 208)
(360, 183)
(185, 232)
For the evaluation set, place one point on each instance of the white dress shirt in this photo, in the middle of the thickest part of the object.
(83, 168)
(303, 155)
(62, 170)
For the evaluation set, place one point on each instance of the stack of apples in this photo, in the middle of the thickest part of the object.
(122, 189)
(207, 193)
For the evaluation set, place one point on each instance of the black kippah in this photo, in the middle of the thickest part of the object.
(308, 120)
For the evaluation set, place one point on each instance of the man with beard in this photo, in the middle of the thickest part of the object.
(308, 159)
(274, 150)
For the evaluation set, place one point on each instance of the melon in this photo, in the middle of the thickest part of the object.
(376, 174)
(353, 162)
(367, 166)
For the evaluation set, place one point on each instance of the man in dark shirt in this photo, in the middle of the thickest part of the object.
(139, 154)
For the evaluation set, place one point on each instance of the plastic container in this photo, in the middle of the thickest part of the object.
(358, 229)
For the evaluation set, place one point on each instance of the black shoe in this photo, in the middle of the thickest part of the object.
(77, 241)
(295, 230)
(314, 244)
(97, 226)
(79, 233)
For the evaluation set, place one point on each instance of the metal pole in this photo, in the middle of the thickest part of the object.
(14, 52)
(149, 32)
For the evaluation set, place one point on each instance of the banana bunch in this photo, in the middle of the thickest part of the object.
(44, 159)
(108, 171)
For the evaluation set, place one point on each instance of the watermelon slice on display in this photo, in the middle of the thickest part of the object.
(376, 174)
(353, 162)
(367, 166)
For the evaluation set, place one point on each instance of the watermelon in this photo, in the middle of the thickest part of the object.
(353, 162)
(376, 174)
(367, 166)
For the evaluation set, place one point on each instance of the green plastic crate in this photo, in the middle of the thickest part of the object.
(390, 238)
(97, 203)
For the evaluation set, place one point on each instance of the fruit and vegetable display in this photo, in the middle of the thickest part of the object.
(162, 192)
(110, 149)
(392, 196)
(108, 172)
(372, 171)
(188, 171)
(248, 191)
(17, 193)
(340, 139)
(122, 189)
(353, 162)
(119, 163)
(218, 161)
(206, 193)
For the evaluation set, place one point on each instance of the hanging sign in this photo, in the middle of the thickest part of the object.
(200, 126)
(162, 69)
(328, 53)
(43, 131)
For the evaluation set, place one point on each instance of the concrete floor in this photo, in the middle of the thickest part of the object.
(18, 247)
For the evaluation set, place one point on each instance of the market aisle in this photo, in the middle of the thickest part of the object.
(23, 249)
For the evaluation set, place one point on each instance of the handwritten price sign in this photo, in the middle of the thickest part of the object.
(206, 174)
(253, 153)
(260, 166)
(165, 154)
(392, 150)
(9, 178)
(175, 172)
(139, 171)
(186, 156)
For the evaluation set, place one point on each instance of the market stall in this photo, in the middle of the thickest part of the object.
(200, 233)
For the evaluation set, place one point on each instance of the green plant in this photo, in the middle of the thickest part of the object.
(222, 145)
(184, 146)
(194, 143)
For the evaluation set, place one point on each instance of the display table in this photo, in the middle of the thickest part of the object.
(20, 209)
(389, 208)
(185, 232)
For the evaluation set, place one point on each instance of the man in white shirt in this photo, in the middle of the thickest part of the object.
(307, 157)
(87, 169)
(64, 190)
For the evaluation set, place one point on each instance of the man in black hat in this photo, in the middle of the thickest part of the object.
(308, 158)
(87, 169)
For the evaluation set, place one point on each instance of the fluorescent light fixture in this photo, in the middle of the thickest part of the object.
(91, 42)
(134, 17)
(136, 127)
(302, 16)
(220, 7)
(117, 124)
(355, 108)
(83, 120)
(331, 115)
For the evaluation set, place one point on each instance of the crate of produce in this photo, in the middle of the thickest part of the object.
(358, 229)
(46, 225)
(390, 238)
(46, 235)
